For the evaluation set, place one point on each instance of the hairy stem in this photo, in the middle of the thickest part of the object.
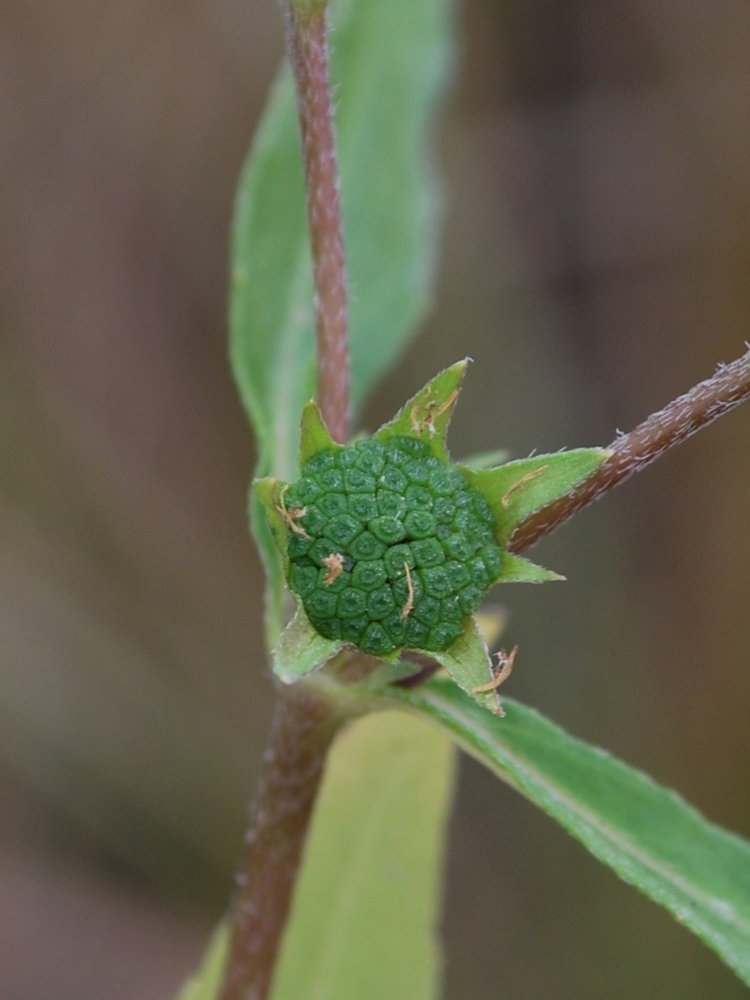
(303, 728)
(307, 45)
(634, 451)
(305, 722)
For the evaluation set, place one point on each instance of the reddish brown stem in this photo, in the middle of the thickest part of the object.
(303, 729)
(307, 44)
(305, 723)
(634, 451)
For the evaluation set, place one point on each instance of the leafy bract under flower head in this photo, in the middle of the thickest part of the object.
(388, 546)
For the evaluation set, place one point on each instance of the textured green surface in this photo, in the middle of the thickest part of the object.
(647, 834)
(389, 63)
(364, 917)
(367, 513)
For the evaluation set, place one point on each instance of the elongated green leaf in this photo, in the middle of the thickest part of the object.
(428, 413)
(389, 63)
(270, 317)
(364, 915)
(647, 834)
(517, 489)
(301, 649)
(205, 984)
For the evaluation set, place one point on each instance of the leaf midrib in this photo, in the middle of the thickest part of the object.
(626, 845)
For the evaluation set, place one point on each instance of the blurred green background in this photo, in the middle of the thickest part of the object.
(596, 164)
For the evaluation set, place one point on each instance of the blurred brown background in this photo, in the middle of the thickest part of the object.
(597, 263)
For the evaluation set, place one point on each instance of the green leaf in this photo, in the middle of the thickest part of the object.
(366, 907)
(206, 983)
(301, 649)
(313, 434)
(517, 489)
(273, 564)
(271, 311)
(389, 64)
(517, 570)
(271, 536)
(469, 664)
(428, 413)
(648, 835)
(270, 492)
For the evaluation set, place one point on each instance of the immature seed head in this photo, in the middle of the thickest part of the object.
(395, 548)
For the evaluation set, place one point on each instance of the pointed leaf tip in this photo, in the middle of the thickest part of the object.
(427, 414)
(645, 833)
(469, 664)
(517, 570)
(301, 649)
(314, 436)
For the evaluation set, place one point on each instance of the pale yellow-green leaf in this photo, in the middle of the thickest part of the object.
(365, 911)
(206, 982)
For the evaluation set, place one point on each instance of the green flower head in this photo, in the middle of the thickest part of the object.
(388, 546)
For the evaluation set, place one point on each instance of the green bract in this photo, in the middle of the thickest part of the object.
(389, 546)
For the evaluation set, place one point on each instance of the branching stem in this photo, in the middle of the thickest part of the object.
(727, 388)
